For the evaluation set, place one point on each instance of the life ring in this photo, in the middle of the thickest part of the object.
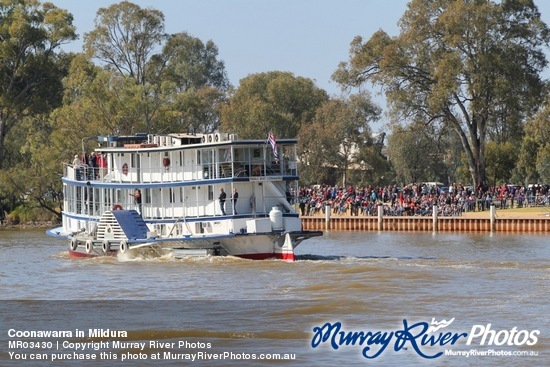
(74, 244)
(204, 139)
(123, 247)
(89, 246)
(117, 207)
(216, 137)
(210, 138)
(106, 247)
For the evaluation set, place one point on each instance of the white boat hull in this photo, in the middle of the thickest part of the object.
(249, 246)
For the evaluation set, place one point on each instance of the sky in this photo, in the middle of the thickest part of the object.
(306, 37)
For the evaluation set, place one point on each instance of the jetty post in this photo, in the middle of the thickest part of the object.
(434, 218)
(327, 217)
(380, 216)
(492, 211)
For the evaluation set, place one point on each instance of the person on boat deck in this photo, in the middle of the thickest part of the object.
(76, 161)
(78, 167)
(92, 163)
(222, 198)
(137, 199)
(235, 197)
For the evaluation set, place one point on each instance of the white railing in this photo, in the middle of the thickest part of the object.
(182, 173)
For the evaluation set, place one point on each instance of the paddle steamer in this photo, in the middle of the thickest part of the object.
(163, 194)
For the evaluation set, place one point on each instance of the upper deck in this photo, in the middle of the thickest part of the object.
(180, 159)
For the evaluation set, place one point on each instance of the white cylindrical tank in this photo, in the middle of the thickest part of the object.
(276, 218)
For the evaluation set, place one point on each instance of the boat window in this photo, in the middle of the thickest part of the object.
(225, 155)
(206, 162)
(210, 192)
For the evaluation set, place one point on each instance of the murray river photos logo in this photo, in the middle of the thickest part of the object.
(428, 340)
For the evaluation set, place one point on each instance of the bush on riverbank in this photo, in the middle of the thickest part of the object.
(28, 214)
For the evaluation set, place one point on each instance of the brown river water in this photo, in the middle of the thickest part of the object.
(350, 298)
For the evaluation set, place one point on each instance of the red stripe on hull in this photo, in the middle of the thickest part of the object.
(77, 254)
(80, 254)
(288, 257)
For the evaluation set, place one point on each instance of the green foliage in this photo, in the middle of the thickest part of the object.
(501, 158)
(125, 37)
(415, 154)
(153, 82)
(471, 65)
(12, 191)
(30, 68)
(29, 214)
(338, 140)
(543, 163)
(274, 101)
(532, 164)
(191, 64)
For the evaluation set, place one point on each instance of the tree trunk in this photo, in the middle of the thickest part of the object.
(474, 149)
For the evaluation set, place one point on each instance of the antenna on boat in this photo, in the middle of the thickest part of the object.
(84, 139)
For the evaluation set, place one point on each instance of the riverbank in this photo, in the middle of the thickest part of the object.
(523, 220)
(29, 225)
(523, 213)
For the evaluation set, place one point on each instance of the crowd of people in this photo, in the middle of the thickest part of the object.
(418, 199)
(90, 166)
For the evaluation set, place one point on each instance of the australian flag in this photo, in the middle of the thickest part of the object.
(273, 143)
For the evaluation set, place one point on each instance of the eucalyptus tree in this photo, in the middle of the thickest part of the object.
(501, 159)
(471, 64)
(124, 39)
(31, 67)
(171, 80)
(339, 134)
(198, 81)
(193, 64)
(275, 101)
(534, 152)
(415, 153)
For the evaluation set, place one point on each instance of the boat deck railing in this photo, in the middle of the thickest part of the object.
(253, 170)
(245, 206)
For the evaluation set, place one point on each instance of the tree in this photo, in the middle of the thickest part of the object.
(501, 158)
(274, 101)
(198, 82)
(196, 111)
(543, 163)
(30, 67)
(339, 132)
(473, 65)
(165, 81)
(191, 64)
(415, 154)
(96, 102)
(125, 38)
(532, 163)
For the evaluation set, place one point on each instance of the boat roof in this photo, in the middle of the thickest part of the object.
(174, 141)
